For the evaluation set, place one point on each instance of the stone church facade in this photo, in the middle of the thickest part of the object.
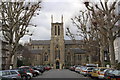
(57, 52)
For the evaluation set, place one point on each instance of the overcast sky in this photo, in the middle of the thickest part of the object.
(57, 8)
(67, 8)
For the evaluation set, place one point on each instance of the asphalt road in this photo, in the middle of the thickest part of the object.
(57, 74)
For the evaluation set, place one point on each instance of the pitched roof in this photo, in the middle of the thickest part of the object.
(77, 50)
(47, 42)
(40, 42)
(36, 51)
(73, 42)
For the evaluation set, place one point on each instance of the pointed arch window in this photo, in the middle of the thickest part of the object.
(55, 30)
(58, 30)
(57, 52)
(46, 57)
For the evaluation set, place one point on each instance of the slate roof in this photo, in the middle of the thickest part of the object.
(77, 50)
(40, 42)
(73, 42)
(36, 51)
(47, 42)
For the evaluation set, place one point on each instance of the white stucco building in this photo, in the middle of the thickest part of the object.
(117, 49)
(117, 40)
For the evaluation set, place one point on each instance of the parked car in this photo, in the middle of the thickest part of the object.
(114, 75)
(25, 74)
(96, 71)
(10, 74)
(101, 73)
(47, 68)
(29, 70)
(72, 68)
(89, 71)
(4, 78)
(108, 73)
(91, 65)
(39, 68)
(29, 75)
(77, 69)
(86, 71)
(83, 69)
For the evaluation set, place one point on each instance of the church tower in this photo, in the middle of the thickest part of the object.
(57, 46)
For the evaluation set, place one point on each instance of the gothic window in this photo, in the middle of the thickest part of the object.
(55, 30)
(57, 52)
(58, 30)
(46, 57)
(58, 55)
(79, 57)
(33, 47)
(68, 57)
(76, 57)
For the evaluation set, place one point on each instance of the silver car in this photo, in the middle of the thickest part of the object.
(12, 74)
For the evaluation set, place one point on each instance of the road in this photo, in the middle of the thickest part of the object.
(64, 73)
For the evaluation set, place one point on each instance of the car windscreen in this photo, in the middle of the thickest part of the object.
(103, 69)
(5, 73)
(116, 72)
(84, 68)
(95, 69)
(90, 68)
(13, 72)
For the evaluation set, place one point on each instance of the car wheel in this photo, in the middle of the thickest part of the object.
(14, 79)
(85, 75)
(28, 77)
(35, 75)
(24, 78)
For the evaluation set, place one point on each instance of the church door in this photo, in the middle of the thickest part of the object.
(57, 65)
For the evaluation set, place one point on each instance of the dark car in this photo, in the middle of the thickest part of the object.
(108, 73)
(23, 74)
(112, 74)
(40, 69)
(72, 68)
(47, 68)
(29, 69)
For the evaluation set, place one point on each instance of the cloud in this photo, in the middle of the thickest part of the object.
(67, 8)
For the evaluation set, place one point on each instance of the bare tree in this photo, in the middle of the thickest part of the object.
(87, 31)
(106, 20)
(15, 21)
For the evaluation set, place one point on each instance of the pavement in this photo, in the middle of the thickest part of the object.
(57, 74)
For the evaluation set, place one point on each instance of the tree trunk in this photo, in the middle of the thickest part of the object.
(15, 61)
(85, 59)
(90, 58)
(8, 62)
(102, 55)
(112, 52)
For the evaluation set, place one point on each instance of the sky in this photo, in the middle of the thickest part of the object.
(57, 8)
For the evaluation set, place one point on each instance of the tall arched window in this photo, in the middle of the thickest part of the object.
(57, 52)
(55, 30)
(58, 30)
(46, 57)
(58, 55)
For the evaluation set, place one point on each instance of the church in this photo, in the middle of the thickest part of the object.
(57, 52)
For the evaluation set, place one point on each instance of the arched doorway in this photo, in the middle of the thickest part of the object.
(57, 65)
